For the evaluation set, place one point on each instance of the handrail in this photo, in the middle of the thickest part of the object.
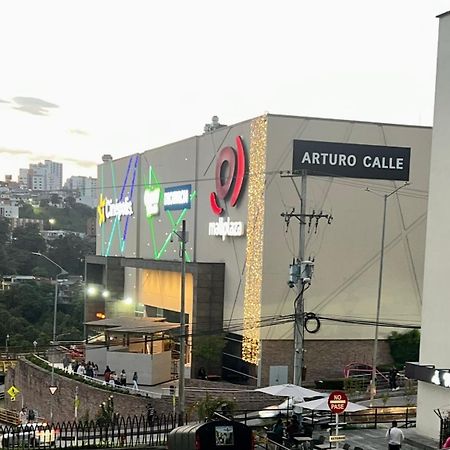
(8, 416)
(124, 389)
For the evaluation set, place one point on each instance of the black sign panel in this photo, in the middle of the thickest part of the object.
(336, 159)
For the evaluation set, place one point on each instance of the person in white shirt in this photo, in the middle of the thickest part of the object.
(395, 436)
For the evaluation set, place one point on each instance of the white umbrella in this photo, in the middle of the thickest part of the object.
(290, 390)
(322, 405)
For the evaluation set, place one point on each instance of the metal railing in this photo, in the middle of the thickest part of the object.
(99, 382)
(369, 418)
(121, 432)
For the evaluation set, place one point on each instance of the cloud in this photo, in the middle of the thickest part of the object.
(33, 105)
(15, 151)
(4, 101)
(82, 162)
(86, 164)
(78, 131)
(38, 157)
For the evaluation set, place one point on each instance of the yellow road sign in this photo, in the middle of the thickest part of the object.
(13, 391)
(337, 438)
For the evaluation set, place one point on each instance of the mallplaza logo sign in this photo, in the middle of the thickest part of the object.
(106, 209)
(228, 184)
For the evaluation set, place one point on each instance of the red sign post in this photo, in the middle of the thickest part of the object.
(337, 402)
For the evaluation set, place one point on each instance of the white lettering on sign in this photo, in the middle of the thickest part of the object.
(333, 159)
(176, 197)
(226, 228)
(118, 209)
(340, 159)
(383, 162)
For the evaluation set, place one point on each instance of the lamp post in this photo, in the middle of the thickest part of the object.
(183, 238)
(55, 309)
(6, 342)
(373, 381)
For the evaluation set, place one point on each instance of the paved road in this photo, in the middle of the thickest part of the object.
(369, 439)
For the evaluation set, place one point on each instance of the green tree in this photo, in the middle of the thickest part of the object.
(209, 350)
(69, 252)
(26, 211)
(5, 232)
(404, 346)
(28, 238)
(70, 201)
(55, 199)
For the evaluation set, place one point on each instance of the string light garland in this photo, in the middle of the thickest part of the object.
(255, 238)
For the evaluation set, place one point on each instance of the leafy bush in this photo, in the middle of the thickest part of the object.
(206, 407)
(404, 346)
(336, 383)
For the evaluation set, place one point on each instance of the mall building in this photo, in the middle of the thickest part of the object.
(433, 371)
(231, 186)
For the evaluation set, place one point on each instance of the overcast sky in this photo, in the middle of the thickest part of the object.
(82, 78)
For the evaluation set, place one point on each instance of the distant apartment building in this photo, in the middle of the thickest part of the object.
(21, 222)
(46, 176)
(84, 189)
(23, 178)
(9, 211)
(51, 235)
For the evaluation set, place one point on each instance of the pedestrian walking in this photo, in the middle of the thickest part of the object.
(135, 381)
(395, 436)
(123, 378)
(107, 374)
(23, 416)
(393, 379)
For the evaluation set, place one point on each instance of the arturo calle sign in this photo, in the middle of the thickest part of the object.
(337, 159)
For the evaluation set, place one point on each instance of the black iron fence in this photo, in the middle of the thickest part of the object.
(122, 432)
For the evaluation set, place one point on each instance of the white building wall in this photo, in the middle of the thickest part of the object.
(436, 305)
(9, 211)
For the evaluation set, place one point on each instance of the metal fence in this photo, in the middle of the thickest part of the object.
(122, 432)
(369, 418)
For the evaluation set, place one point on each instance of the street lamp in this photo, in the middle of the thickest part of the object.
(55, 309)
(6, 342)
(51, 222)
(373, 381)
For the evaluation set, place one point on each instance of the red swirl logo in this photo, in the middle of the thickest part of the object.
(230, 171)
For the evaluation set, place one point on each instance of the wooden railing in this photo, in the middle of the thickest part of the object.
(9, 417)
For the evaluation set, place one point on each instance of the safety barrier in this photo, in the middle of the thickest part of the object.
(103, 432)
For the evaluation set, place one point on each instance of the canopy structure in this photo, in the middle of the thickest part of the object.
(129, 328)
(291, 390)
(322, 405)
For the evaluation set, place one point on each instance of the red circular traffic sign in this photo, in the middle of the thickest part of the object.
(337, 402)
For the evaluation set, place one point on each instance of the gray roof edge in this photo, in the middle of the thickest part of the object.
(439, 16)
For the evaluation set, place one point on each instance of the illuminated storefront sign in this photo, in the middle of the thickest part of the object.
(106, 209)
(224, 228)
(177, 198)
(428, 374)
(151, 200)
(229, 178)
(235, 160)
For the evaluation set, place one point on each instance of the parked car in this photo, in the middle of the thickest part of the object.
(30, 435)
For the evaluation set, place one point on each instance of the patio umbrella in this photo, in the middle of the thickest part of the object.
(290, 390)
(322, 405)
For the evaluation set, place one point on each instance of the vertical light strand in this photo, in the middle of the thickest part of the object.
(255, 239)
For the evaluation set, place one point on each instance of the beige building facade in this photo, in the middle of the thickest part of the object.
(238, 261)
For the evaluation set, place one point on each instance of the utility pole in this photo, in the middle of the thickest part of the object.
(300, 274)
(299, 325)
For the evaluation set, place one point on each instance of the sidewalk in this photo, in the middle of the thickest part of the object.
(370, 439)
